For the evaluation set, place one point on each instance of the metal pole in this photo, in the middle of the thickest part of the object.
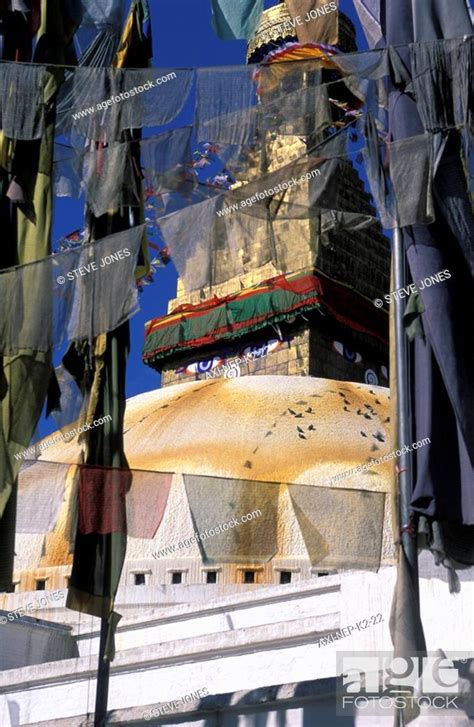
(112, 454)
(103, 674)
(404, 415)
(404, 437)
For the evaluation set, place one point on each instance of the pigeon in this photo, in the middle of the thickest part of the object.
(366, 416)
(300, 430)
(291, 411)
(301, 436)
(309, 411)
(311, 428)
(377, 401)
(348, 403)
(268, 434)
(386, 420)
(298, 416)
(379, 436)
(363, 434)
(359, 412)
(374, 448)
(346, 409)
(248, 464)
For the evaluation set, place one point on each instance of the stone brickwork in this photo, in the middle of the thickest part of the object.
(359, 258)
(297, 256)
(231, 286)
(327, 362)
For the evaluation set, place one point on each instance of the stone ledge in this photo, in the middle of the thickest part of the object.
(195, 649)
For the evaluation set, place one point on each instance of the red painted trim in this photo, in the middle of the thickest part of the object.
(211, 338)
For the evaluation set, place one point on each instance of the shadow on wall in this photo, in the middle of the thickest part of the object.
(311, 703)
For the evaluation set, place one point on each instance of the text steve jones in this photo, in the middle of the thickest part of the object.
(421, 285)
(107, 260)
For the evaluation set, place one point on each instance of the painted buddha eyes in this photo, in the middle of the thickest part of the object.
(265, 348)
(370, 376)
(258, 350)
(201, 367)
(348, 354)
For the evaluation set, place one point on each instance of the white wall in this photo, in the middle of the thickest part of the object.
(242, 642)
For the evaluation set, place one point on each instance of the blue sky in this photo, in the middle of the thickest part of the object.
(182, 37)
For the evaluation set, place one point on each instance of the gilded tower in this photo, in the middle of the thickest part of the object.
(339, 334)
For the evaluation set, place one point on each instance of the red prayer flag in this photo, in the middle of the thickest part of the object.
(102, 500)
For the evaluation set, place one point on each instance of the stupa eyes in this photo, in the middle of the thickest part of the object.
(200, 367)
(349, 355)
